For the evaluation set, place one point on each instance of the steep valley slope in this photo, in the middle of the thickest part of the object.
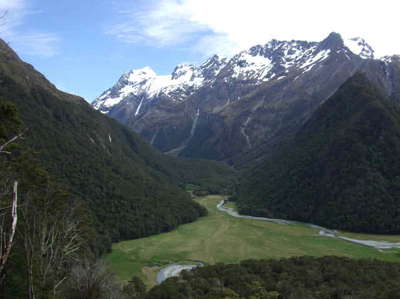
(340, 170)
(131, 189)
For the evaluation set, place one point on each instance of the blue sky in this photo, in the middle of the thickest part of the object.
(69, 43)
(84, 46)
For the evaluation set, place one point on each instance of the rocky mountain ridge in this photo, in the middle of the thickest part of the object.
(226, 107)
(261, 63)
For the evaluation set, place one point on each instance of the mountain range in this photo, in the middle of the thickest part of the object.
(312, 127)
(235, 109)
(130, 189)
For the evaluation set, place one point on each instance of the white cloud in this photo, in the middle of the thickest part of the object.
(216, 44)
(224, 26)
(35, 43)
(163, 23)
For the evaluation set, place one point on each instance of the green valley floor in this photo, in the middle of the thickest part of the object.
(220, 237)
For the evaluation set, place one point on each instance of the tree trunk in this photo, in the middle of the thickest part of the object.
(9, 243)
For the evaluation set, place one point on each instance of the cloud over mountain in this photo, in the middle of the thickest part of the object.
(241, 24)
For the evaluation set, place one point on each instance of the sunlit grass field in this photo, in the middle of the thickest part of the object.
(219, 237)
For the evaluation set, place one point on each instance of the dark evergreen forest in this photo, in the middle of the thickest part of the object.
(341, 170)
(294, 278)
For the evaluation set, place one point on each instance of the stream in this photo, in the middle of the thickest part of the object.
(176, 269)
(325, 232)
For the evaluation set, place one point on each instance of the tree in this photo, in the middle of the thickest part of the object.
(49, 225)
(8, 207)
(91, 280)
(51, 237)
(7, 234)
(135, 288)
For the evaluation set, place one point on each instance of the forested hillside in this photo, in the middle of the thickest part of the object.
(299, 277)
(341, 170)
(43, 231)
(131, 189)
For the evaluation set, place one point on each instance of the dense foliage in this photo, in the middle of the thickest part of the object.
(53, 254)
(52, 230)
(130, 188)
(341, 170)
(295, 278)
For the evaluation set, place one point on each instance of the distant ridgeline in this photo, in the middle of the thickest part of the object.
(131, 189)
(341, 170)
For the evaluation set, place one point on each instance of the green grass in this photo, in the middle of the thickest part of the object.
(222, 238)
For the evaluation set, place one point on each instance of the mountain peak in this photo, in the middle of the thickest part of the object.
(139, 75)
(333, 41)
(215, 59)
(211, 67)
(273, 44)
(274, 60)
(183, 70)
(356, 45)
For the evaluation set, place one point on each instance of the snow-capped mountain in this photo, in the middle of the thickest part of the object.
(360, 47)
(285, 80)
(259, 63)
(146, 84)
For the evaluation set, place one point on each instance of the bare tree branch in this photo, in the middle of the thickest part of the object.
(7, 245)
(52, 240)
(13, 139)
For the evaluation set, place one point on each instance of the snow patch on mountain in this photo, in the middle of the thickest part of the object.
(360, 47)
(257, 65)
(311, 62)
(387, 59)
(104, 102)
(212, 66)
(138, 108)
(249, 66)
(147, 84)
(294, 54)
(390, 59)
(141, 75)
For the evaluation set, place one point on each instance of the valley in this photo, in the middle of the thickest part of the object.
(183, 149)
(221, 238)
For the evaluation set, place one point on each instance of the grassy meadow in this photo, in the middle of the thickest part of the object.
(219, 237)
